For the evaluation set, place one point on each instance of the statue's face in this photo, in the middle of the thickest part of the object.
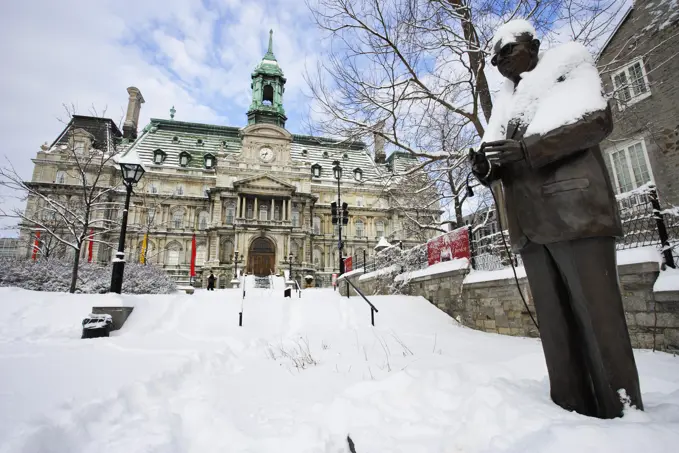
(514, 58)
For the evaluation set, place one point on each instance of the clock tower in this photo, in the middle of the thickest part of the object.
(268, 86)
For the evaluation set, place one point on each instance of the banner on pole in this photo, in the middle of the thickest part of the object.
(90, 246)
(449, 246)
(142, 255)
(193, 256)
(36, 246)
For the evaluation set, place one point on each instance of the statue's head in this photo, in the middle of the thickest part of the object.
(515, 49)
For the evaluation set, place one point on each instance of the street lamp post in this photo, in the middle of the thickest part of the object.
(132, 173)
(337, 171)
(289, 262)
(235, 263)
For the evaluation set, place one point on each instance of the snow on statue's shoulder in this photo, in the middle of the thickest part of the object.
(511, 30)
(561, 90)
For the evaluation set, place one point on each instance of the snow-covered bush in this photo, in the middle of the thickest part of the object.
(55, 275)
(393, 261)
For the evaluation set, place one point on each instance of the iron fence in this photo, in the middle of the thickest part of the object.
(645, 222)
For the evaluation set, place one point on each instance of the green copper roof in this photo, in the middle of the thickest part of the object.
(269, 65)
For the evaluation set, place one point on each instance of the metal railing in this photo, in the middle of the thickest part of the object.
(373, 309)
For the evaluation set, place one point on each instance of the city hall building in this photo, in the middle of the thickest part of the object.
(257, 192)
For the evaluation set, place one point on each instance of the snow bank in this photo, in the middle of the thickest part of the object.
(380, 272)
(668, 280)
(182, 376)
(435, 269)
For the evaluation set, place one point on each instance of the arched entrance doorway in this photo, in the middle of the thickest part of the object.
(261, 257)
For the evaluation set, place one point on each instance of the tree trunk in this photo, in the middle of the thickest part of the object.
(458, 211)
(477, 61)
(74, 274)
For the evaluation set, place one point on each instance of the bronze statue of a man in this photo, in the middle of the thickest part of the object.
(542, 142)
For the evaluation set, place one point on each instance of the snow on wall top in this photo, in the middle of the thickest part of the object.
(562, 88)
(508, 32)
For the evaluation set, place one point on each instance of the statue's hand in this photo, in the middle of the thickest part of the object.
(480, 164)
(504, 152)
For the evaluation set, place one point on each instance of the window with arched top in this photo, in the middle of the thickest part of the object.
(178, 219)
(267, 95)
(227, 251)
(295, 217)
(203, 219)
(263, 212)
(359, 228)
(317, 225)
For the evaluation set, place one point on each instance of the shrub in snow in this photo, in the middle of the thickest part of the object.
(55, 275)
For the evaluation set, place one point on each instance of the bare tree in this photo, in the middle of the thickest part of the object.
(150, 202)
(77, 207)
(408, 64)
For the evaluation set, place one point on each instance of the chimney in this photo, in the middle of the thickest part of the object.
(380, 155)
(132, 116)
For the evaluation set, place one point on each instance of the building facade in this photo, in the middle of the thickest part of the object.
(252, 196)
(639, 66)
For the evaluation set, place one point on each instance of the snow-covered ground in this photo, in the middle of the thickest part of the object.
(301, 374)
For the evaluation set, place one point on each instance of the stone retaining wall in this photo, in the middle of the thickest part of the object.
(495, 305)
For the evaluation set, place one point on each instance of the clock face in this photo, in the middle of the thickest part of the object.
(266, 154)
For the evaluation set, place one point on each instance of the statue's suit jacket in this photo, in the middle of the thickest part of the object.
(561, 190)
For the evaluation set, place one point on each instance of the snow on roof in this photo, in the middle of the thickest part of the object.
(510, 31)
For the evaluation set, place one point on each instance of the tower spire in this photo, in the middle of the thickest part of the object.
(269, 52)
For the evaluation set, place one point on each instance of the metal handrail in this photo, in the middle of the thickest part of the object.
(242, 302)
(373, 309)
(299, 290)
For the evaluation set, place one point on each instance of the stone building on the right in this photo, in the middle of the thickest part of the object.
(639, 66)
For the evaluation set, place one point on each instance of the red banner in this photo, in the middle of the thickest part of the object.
(90, 246)
(36, 246)
(347, 264)
(449, 246)
(193, 256)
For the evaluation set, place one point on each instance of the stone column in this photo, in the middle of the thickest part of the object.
(290, 209)
(218, 243)
(238, 207)
(255, 210)
(217, 210)
(271, 216)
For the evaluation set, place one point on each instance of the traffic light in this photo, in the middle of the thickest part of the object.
(333, 212)
(345, 213)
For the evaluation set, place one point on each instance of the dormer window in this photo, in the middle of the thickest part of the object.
(316, 171)
(325, 154)
(175, 139)
(184, 159)
(209, 161)
(159, 156)
(199, 142)
(345, 156)
(358, 174)
(305, 152)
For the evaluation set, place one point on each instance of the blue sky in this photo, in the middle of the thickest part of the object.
(196, 55)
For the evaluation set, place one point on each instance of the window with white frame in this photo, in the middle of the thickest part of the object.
(153, 188)
(317, 225)
(173, 254)
(359, 228)
(630, 166)
(359, 201)
(61, 177)
(179, 190)
(79, 147)
(295, 217)
(379, 228)
(178, 219)
(230, 213)
(263, 212)
(201, 254)
(203, 218)
(318, 257)
(631, 84)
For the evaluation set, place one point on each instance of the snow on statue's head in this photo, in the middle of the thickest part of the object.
(515, 49)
